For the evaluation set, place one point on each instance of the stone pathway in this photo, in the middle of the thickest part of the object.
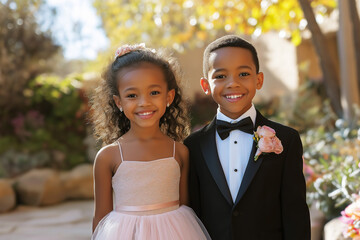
(70, 220)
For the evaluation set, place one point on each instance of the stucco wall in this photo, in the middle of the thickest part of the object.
(277, 59)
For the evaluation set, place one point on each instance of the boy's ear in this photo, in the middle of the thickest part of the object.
(117, 101)
(259, 80)
(204, 83)
(170, 96)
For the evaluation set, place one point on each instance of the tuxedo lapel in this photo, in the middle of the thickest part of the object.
(252, 165)
(210, 153)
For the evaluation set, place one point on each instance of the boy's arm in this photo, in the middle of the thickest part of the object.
(295, 212)
(193, 182)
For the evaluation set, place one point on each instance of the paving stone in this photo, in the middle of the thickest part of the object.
(69, 220)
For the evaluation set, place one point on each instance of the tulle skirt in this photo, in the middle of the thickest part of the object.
(179, 224)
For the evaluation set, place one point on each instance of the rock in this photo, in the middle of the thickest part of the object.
(40, 187)
(78, 182)
(7, 196)
(333, 230)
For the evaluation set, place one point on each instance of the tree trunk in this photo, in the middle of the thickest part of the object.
(330, 76)
(354, 16)
(348, 72)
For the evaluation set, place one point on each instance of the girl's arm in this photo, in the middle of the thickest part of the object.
(183, 153)
(102, 185)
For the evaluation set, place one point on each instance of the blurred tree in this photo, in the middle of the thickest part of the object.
(343, 89)
(24, 52)
(182, 24)
(330, 76)
(355, 19)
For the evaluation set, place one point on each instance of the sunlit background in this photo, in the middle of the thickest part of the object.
(52, 54)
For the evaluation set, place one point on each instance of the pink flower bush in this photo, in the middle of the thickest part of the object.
(35, 119)
(23, 125)
(267, 141)
(309, 174)
(351, 216)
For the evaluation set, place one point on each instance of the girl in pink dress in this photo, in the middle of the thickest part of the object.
(141, 176)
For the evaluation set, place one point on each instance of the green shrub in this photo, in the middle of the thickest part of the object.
(50, 128)
(332, 158)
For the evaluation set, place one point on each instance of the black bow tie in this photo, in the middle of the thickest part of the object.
(224, 128)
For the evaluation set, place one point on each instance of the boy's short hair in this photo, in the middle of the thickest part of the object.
(228, 41)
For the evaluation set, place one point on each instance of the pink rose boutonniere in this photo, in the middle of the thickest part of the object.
(267, 142)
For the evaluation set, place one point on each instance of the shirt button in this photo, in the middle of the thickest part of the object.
(235, 170)
(235, 142)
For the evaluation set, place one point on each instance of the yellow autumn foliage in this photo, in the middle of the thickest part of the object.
(181, 24)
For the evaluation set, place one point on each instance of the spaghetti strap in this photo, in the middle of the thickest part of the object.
(121, 155)
(174, 150)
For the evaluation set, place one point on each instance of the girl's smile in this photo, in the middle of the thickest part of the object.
(145, 114)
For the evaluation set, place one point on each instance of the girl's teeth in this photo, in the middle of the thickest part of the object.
(145, 113)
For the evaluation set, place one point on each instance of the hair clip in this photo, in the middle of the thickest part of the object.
(129, 48)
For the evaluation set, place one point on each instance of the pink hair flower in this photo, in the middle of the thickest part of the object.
(129, 48)
(267, 142)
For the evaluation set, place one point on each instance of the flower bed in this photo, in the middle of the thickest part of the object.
(332, 166)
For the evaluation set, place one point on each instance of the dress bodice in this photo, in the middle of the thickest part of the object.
(139, 183)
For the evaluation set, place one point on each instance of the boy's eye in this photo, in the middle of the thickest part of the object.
(244, 74)
(154, 93)
(131, 95)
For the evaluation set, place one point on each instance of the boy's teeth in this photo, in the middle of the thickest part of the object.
(233, 96)
(145, 113)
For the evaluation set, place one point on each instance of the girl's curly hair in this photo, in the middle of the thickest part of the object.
(110, 123)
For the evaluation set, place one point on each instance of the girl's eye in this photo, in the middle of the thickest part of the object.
(220, 76)
(244, 74)
(131, 96)
(153, 93)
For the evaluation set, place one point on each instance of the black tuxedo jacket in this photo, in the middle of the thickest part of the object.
(271, 202)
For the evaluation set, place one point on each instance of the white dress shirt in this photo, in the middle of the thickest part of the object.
(234, 151)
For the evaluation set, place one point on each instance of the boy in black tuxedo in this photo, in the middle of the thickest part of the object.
(234, 193)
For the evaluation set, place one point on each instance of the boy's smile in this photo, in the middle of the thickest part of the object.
(233, 97)
(232, 80)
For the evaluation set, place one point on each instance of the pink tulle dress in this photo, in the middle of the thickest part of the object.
(146, 198)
